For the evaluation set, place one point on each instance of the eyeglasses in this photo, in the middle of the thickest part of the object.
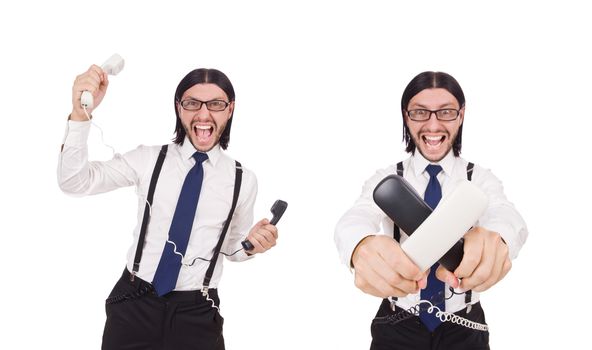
(422, 115)
(212, 105)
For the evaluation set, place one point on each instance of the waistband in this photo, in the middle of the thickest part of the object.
(175, 296)
(462, 312)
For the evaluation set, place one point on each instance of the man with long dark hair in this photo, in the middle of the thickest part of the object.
(196, 206)
(433, 110)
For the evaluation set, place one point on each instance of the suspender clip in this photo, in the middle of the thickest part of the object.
(468, 297)
(393, 301)
(204, 291)
(135, 269)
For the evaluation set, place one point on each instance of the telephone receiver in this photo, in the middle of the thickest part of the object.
(434, 235)
(277, 209)
(112, 66)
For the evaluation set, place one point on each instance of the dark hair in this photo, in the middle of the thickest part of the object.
(431, 80)
(203, 76)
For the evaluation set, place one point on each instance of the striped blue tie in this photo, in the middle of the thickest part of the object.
(167, 272)
(432, 196)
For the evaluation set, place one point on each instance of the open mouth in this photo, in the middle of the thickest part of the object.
(203, 132)
(433, 141)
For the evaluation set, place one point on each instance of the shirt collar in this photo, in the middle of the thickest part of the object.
(187, 151)
(420, 163)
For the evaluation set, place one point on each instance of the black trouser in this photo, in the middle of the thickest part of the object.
(178, 320)
(412, 334)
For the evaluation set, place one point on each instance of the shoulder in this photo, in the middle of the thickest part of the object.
(482, 176)
(231, 165)
(248, 174)
(462, 166)
(403, 166)
(480, 172)
(378, 176)
(146, 151)
(385, 171)
(142, 155)
(143, 158)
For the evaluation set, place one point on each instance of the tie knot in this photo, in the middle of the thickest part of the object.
(433, 170)
(200, 157)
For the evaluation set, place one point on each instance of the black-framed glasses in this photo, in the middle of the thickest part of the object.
(421, 115)
(192, 104)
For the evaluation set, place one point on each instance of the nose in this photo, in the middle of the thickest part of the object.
(432, 122)
(202, 113)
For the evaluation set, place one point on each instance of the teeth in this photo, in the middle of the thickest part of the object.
(433, 138)
(203, 127)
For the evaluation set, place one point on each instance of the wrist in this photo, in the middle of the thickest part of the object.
(77, 116)
(355, 251)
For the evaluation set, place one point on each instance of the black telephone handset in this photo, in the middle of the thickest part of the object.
(399, 201)
(277, 209)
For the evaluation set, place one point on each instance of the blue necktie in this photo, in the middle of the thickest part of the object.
(167, 272)
(432, 196)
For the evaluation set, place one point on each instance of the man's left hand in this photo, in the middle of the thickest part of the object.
(263, 236)
(485, 262)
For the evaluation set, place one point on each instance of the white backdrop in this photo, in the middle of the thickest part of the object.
(303, 74)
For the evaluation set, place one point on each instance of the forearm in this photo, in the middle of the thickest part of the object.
(73, 167)
(355, 225)
(77, 176)
(501, 216)
(238, 231)
(242, 219)
(360, 221)
(234, 250)
(508, 223)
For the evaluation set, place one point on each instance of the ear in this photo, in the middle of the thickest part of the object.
(179, 108)
(461, 115)
(405, 118)
(231, 110)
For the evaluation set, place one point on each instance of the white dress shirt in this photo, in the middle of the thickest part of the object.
(77, 176)
(365, 217)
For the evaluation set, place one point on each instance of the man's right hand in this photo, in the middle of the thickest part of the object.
(382, 269)
(93, 80)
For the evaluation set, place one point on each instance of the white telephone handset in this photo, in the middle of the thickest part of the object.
(112, 66)
(452, 218)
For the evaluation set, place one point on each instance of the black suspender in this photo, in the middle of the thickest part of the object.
(470, 167)
(400, 169)
(146, 218)
(469, 293)
(397, 231)
(147, 209)
(237, 185)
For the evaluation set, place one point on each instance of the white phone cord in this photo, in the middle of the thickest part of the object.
(207, 295)
(204, 292)
(100, 131)
(175, 251)
(450, 317)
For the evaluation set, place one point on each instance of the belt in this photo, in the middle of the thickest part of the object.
(144, 288)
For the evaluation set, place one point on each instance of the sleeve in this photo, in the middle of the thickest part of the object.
(501, 216)
(242, 219)
(360, 221)
(78, 176)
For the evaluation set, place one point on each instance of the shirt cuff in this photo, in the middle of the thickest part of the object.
(350, 241)
(241, 255)
(505, 231)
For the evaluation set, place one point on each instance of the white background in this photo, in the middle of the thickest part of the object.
(318, 88)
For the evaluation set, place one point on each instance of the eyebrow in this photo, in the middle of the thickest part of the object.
(218, 98)
(449, 104)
